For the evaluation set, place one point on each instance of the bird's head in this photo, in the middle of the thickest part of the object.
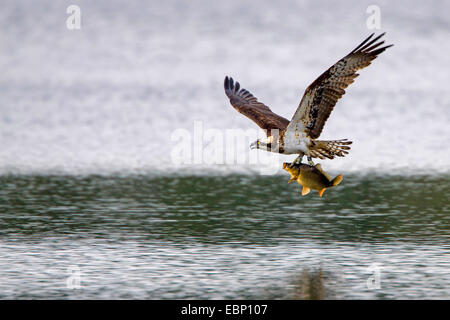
(265, 144)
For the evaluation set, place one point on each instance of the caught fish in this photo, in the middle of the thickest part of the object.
(311, 177)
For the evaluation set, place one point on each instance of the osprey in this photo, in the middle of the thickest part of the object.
(299, 135)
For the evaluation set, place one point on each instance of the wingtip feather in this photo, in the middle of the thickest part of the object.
(368, 44)
(363, 43)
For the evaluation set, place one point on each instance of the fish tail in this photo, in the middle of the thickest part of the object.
(330, 148)
(321, 192)
(336, 180)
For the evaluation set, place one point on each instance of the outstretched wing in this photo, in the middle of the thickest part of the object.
(244, 102)
(322, 95)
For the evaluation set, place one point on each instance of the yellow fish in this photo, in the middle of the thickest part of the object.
(311, 177)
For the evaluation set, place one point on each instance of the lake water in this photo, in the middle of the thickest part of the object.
(221, 237)
(89, 189)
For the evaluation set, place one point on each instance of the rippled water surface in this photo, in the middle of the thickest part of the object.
(222, 237)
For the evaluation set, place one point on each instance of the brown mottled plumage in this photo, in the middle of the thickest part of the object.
(322, 95)
(319, 99)
(244, 102)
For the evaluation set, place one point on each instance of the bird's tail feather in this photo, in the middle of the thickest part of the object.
(330, 148)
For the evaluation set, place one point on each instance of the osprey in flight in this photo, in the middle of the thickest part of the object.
(299, 135)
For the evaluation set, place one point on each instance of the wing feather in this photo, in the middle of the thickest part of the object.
(322, 95)
(244, 102)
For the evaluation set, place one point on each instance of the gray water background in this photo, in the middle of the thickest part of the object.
(87, 181)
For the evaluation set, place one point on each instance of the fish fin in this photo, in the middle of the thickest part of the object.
(292, 179)
(336, 180)
(319, 167)
(305, 191)
(322, 191)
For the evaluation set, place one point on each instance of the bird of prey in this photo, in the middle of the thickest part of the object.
(299, 135)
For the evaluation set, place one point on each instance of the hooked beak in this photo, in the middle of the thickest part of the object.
(254, 145)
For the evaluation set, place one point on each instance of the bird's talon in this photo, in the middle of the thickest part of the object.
(297, 161)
